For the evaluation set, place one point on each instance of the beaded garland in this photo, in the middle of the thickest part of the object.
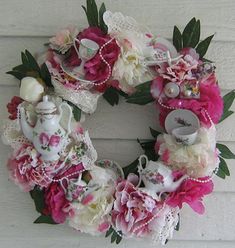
(53, 157)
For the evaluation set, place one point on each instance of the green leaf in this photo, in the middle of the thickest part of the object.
(16, 74)
(228, 100)
(32, 61)
(102, 25)
(195, 37)
(113, 237)
(45, 219)
(223, 166)
(119, 238)
(95, 12)
(142, 95)
(220, 173)
(188, 31)
(226, 115)
(148, 147)
(25, 61)
(38, 197)
(131, 168)
(154, 133)
(77, 112)
(225, 152)
(111, 96)
(45, 75)
(177, 39)
(20, 68)
(92, 13)
(109, 232)
(202, 47)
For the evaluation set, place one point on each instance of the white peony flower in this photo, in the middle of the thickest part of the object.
(93, 217)
(199, 159)
(130, 68)
(31, 89)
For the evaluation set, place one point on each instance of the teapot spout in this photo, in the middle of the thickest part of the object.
(176, 184)
(25, 127)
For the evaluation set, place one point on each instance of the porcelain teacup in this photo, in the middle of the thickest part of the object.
(185, 135)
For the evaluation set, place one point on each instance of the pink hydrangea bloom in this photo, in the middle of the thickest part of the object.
(210, 100)
(25, 168)
(132, 208)
(190, 192)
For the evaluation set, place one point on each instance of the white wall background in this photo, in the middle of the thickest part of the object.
(28, 24)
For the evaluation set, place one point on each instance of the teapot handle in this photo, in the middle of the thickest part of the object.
(140, 167)
(70, 115)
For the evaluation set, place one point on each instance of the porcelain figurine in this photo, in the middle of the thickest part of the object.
(47, 136)
(157, 177)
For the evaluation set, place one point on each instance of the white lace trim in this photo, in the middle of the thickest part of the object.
(83, 99)
(165, 231)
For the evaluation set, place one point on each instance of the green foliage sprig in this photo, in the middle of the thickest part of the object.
(95, 16)
(190, 37)
(31, 68)
(38, 197)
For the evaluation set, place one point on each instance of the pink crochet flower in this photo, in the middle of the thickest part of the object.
(25, 169)
(210, 100)
(132, 209)
(190, 192)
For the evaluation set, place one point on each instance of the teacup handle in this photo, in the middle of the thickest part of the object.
(75, 45)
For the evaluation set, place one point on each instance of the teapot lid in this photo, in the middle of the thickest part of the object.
(46, 106)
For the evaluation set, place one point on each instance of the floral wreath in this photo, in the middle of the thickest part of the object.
(53, 157)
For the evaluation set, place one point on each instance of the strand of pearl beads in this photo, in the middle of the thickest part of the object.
(149, 221)
(62, 178)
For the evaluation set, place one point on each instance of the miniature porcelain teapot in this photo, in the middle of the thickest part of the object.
(47, 136)
(157, 177)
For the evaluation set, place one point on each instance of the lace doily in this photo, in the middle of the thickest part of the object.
(117, 22)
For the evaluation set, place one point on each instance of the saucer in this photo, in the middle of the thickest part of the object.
(75, 75)
(181, 118)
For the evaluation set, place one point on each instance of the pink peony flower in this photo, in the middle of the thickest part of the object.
(132, 208)
(190, 192)
(95, 68)
(210, 100)
(12, 107)
(56, 202)
(25, 168)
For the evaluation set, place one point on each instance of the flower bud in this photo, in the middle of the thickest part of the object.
(31, 89)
